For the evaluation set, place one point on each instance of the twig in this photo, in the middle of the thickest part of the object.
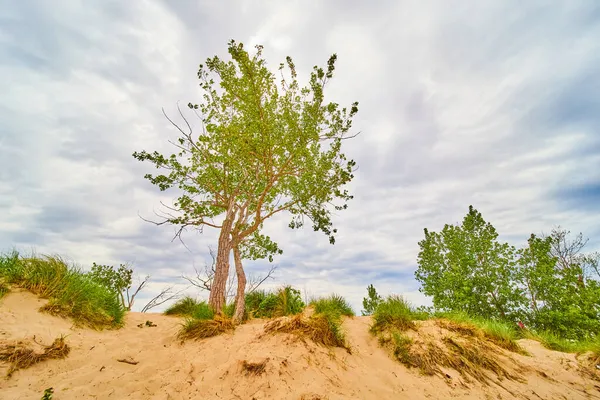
(128, 361)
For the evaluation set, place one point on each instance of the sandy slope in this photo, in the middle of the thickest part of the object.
(211, 369)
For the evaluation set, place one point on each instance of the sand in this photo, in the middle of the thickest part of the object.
(212, 368)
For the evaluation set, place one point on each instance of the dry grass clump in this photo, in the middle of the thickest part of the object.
(254, 368)
(472, 357)
(204, 328)
(497, 333)
(324, 329)
(20, 356)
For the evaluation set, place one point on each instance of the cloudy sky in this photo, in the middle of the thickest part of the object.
(495, 104)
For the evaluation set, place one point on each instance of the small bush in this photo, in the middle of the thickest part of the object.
(20, 356)
(335, 304)
(395, 313)
(194, 328)
(371, 302)
(70, 291)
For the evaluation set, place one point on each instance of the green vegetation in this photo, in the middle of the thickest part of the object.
(118, 280)
(549, 285)
(72, 293)
(371, 302)
(190, 307)
(269, 146)
(3, 289)
(333, 304)
(282, 302)
(394, 313)
(498, 332)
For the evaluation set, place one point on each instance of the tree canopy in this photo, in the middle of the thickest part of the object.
(548, 283)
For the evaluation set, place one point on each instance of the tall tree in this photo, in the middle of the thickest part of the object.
(265, 148)
(465, 268)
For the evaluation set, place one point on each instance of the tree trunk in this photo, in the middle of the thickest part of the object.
(240, 298)
(216, 299)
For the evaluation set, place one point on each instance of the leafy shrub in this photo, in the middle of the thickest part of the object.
(334, 303)
(371, 302)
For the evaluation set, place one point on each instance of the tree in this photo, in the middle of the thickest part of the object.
(465, 268)
(371, 302)
(264, 149)
(119, 281)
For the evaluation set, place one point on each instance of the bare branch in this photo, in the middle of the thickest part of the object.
(165, 295)
(254, 283)
(131, 299)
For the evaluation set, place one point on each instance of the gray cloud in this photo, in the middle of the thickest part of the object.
(486, 103)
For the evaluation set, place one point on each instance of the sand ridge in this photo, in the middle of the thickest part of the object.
(213, 368)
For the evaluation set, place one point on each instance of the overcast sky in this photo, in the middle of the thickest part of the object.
(489, 103)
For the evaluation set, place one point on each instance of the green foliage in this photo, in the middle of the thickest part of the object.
(333, 304)
(3, 289)
(116, 280)
(501, 333)
(548, 284)
(190, 307)
(371, 302)
(284, 301)
(264, 149)
(48, 394)
(401, 347)
(466, 268)
(71, 292)
(394, 313)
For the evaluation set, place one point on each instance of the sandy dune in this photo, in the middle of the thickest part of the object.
(211, 369)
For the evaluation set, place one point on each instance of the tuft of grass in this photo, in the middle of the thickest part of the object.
(395, 313)
(190, 307)
(182, 307)
(334, 303)
(70, 290)
(3, 289)
(498, 332)
(554, 342)
(282, 302)
(324, 328)
(194, 328)
(20, 356)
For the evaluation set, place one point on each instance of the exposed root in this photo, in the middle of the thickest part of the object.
(20, 356)
(205, 328)
(320, 328)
